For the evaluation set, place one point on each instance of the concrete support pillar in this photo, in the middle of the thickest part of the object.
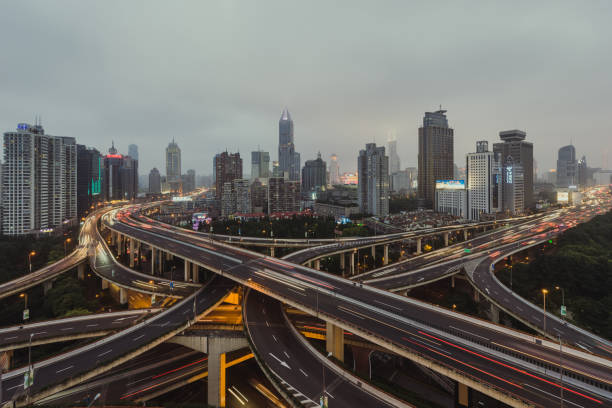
(453, 281)
(386, 254)
(187, 270)
(153, 256)
(47, 286)
(419, 241)
(119, 244)
(272, 251)
(168, 256)
(195, 273)
(123, 296)
(342, 263)
(160, 261)
(373, 252)
(352, 263)
(104, 284)
(216, 379)
(317, 264)
(309, 264)
(494, 314)
(465, 235)
(463, 395)
(334, 341)
(476, 296)
(446, 239)
(6, 359)
(139, 251)
(81, 271)
(112, 237)
(131, 252)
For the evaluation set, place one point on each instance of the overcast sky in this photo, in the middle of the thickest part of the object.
(216, 75)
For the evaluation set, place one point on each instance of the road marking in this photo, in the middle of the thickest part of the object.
(67, 328)
(275, 338)
(10, 338)
(356, 314)
(429, 345)
(267, 324)
(382, 303)
(64, 369)
(42, 332)
(286, 354)
(283, 363)
(305, 375)
(552, 395)
(473, 334)
(20, 385)
(139, 337)
(106, 352)
(92, 325)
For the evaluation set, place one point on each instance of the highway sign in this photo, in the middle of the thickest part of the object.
(26, 314)
(28, 379)
(563, 310)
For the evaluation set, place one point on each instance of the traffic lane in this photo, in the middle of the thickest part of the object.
(66, 327)
(293, 362)
(63, 367)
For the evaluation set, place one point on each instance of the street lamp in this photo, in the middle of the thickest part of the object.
(66, 242)
(544, 292)
(562, 300)
(30, 255)
(25, 298)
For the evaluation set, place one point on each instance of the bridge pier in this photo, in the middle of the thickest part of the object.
(168, 256)
(123, 296)
(494, 314)
(374, 252)
(465, 234)
(453, 281)
(119, 244)
(217, 349)
(317, 264)
(352, 263)
(476, 296)
(386, 254)
(104, 284)
(445, 239)
(334, 340)
(153, 256)
(419, 242)
(131, 252)
(272, 251)
(342, 263)
(81, 271)
(6, 359)
(463, 395)
(47, 286)
(195, 273)
(187, 270)
(160, 261)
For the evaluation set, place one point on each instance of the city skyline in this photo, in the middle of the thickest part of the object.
(334, 103)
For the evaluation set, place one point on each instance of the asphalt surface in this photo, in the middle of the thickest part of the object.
(391, 318)
(299, 372)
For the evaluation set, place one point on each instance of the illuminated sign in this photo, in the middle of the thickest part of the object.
(450, 184)
(114, 156)
(509, 174)
(562, 196)
(181, 198)
(23, 126)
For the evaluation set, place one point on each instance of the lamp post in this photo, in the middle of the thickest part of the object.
(66, 242)
(544, 292)
(562, 299)
(25, 298)
(30, 255)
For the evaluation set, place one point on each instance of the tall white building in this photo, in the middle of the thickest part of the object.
(451, 197)
(373, 179)
(484, 186)
(39, 181)
(173, 162)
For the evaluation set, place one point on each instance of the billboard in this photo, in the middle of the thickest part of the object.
(562, 196)
(450, 184)
(181, 199)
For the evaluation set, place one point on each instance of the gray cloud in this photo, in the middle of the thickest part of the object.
(216, 76)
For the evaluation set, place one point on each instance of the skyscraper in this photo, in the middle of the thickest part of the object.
(39, 188)
(133, 151)
(436, 161)
(89, 179)
(514, 144)
(154, 181)
(228, 167)
(173, 162)
(334, 170)
(567, 167)
(283, 195)
(513, 187)
(288, 158)
(314, 175)
(189, 181)
(484, 187)
(394, 160)
(373, 179)
(260, 165)
(120, 179)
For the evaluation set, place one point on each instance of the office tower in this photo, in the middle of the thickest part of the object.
(513, 187)
(133, 151)
(583, 172)
(566, 166)
(243, 196)
(451, 197)
(283, 195)
(373, 179)
(39, 181)
(514, 144)
(402, 181)
(120, 178)
(288, 158)
(154, 181)
(276, 170)
(435, 154)
(484, 188)
(228, 199)
(259, 197)
(334, 170)
(89, 179)
(314, 175)
(394, 160)
(189, 181)
(173, 163)
(260, 165)
(228, 167)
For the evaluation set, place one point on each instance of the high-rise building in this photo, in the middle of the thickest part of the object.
(173, 163)
(394, 160)
(228, 167)
(403, 181)
(260, 165)
(243, 195)
(259, 197)
(154, 181)
(189, 181)
(436, 147)
(373, 179)
(513, 187)
(484, 187)
(283, 195)
(514, 144)
(39, 180)
(314, 175)
(288, 158)
(567, 167)
(120, 178)
(451, 197)
(133, 151)
(334, 170)
(583, 172)
(89, 179)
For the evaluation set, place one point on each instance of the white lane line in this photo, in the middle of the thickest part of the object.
(10, 338)
(473, 334)
(64, 369)
(138, 338)
(267, 324)
(286, 354)
(12, 388)
(106, 352)
(37, 333)
(295, 291)
(552, 395)
(383, 303)
(302, 371)
(344, 309)
(92, 325)
(275, 338)
(429, 345)
(67, 328)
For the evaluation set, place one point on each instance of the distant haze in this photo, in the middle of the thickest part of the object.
(216, 75)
